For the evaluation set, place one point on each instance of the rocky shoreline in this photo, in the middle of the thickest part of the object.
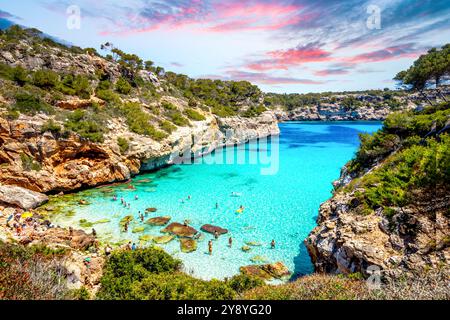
(69, 164)
(337, 112)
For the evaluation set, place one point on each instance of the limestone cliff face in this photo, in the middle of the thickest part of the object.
(70, 163)
(337, 112)
(414, 238)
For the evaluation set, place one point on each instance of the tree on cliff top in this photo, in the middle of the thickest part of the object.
(430, 68)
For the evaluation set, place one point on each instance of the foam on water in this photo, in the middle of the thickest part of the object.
(282, 207)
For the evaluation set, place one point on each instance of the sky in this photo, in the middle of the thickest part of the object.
(284, 46)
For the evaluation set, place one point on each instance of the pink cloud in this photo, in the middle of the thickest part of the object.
(329, 72)
(283, 59)
(390, 53)
(218, 17)
(264, 78)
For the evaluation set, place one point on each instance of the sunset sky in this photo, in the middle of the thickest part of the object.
(282, 46)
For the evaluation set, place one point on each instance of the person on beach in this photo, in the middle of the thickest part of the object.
(94, 233)
(9, 219)
(70, 231)
(108, 250)
(272, 244)
(133, 247)
(210, 247)
(129, 246)
(142, 217)
(230, 242)
(125, 227)
(185, 223)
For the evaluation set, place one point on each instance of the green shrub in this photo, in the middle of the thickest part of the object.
(31, 104)
(12, 115)
(83, 124)
(45, 79)
(241, 283)
(254, 111)
(139, 121)
(75, 85)
(153, 274)
(167, 126)
(179, 286)
(80, 294)
(28, 163)
(123, 145)
(104, 85)
(194, 115)
(108, 96)
(19, 75)
(123, 86)
(51, 126)
(177, 118)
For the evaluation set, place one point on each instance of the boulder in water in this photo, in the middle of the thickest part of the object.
(146, 238)
(277, 270)
(213, 229)
(255, 271)
(126, 220)
(138, 230)
(266, 271)
(158, 221)
(258, 259)
(253, 243)
(188, 245)
(163, 239)
(180, 230)
(151, 210)
(245, 248)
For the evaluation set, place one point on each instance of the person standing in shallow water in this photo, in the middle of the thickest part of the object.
(230, 242)
(210, 247)
(272, 244)
(216, 235)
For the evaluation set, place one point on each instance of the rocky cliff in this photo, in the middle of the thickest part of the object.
(70, 163)
(64, 112)
(337, 112)
(344, 242)
(390, 207)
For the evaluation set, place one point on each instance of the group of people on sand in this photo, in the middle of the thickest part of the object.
(24, 223)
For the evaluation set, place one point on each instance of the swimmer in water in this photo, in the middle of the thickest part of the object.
(136, 197)
(210, 247)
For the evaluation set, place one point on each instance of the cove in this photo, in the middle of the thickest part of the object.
(282, 206)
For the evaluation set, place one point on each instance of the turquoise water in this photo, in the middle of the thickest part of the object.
(282, 206)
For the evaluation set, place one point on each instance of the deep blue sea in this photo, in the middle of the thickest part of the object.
(280, 184)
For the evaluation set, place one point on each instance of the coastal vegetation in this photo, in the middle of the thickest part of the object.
(413, 147)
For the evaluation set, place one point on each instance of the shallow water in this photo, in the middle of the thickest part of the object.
(281, 206)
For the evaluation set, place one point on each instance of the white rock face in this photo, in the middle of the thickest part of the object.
(21, 197)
